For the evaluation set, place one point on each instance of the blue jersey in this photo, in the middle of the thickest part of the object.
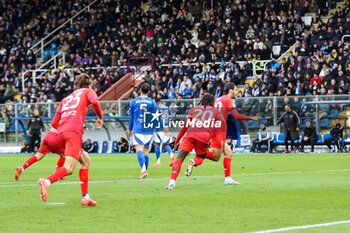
(165, 116)
(139, 108)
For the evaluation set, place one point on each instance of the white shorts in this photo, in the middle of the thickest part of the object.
(160, 137)
(142, 139)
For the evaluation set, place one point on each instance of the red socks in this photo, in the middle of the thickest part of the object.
(227, 167)
(29, 162)
(209, 155)
(58, 174)
(60, 162)
(84, 180)
(176, 169)
(198, 161)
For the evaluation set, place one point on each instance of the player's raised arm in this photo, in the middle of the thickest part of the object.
(56, 119)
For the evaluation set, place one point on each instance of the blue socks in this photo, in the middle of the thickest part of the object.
(140, 158)
(146, 161)
(157, 150)
(169, 150)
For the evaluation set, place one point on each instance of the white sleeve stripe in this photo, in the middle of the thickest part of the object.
(297, 117)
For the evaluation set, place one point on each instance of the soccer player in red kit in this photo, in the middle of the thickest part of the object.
(203, 123)
(49, 144)
(225, 104)
(69, 121)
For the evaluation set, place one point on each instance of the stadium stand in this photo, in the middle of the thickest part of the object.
(185, 33)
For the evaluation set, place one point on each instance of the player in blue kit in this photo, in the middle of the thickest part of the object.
(161, 137)
(140, 126)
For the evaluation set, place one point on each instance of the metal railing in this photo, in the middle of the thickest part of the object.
(39, 47)
(55, 60)
(268, 108)
(286, 53)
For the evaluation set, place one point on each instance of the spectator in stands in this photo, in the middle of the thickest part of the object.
(5, 118)
(122, 146)
(310, 136)
(291, 127)
(264, 137)
(113, 113)
(89, 146)
(336, 136)
(9, 93)
(246, 107)
(239, 31)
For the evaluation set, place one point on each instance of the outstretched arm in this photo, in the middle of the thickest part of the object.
(240, 117)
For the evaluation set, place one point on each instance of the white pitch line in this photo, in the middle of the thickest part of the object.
(16, 184)
(57, 203)
(303, 227)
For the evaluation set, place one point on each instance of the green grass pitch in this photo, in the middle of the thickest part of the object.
(277, 191)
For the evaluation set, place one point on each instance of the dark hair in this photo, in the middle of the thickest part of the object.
(81, 81)
(123, 140)
(157, 100)
(229, 86)
(145, 88)
(208, 99)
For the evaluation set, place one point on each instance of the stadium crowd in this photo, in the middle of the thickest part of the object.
(181, 33)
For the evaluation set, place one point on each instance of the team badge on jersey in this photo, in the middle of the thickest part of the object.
(152, 120)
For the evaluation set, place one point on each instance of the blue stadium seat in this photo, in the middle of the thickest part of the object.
(326, 135)
(249, 123)
(333, 113)
(319, 139)
(12, 127)
(274, 137)
(114, 143)
(302, 123)
(104, 147)
(46, 53)
(95, 143)
(264, 121)
(280, 139)
(324, 122)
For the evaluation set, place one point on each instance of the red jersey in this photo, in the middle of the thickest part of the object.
(73, 109)
(201, 123)
(50, 143)
(226, 105)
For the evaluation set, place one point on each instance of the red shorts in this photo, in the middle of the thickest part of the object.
(44, 148)
(50, 144)
(73, 143)
(188, 144)
(216, 141)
